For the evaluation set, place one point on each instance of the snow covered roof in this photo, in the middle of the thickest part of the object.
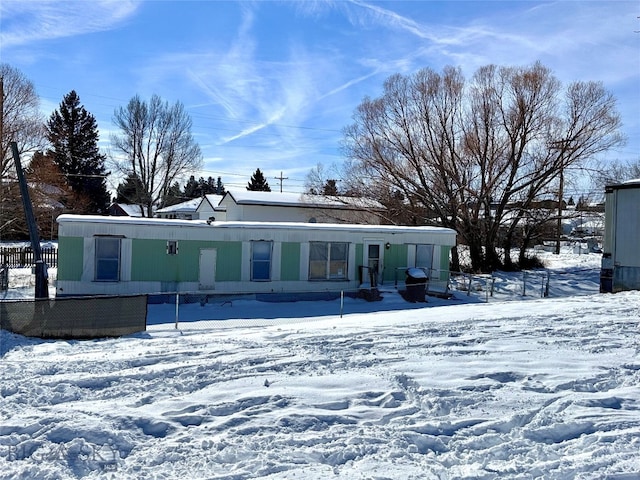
(71, 218)
(286, 199)
(188, 206)
(213, 200)
(132, 210)
(633, 183)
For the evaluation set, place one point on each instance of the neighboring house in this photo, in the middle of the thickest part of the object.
(245, 205)
(621, 249)
(183, 211)
(209, 208)
(124, 255)
(126, 210)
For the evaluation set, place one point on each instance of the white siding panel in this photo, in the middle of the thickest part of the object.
(627, 251)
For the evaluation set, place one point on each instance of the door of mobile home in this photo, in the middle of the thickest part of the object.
(207, 277)
(373, 261)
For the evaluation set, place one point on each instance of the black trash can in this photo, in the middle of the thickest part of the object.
(416, 283)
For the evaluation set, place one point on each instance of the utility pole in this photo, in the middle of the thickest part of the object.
(42, 287)
(560, 194)
(281, 178)
(562, 146)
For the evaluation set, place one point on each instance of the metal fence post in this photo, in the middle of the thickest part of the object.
(546, 290)
(177, 307)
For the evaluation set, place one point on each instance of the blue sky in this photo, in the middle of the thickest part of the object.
(271, 85)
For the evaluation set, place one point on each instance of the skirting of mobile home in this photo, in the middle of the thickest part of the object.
(99, 255)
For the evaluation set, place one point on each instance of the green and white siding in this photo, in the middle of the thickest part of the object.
(122, 255)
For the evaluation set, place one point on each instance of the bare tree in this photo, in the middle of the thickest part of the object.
(476, 155)
(20, 117)
(321, 181)
(615, 172)
(155, 145)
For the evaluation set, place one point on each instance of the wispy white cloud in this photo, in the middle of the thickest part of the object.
(23, 22)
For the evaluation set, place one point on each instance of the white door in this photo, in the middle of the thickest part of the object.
(373, 261)
(207, 277)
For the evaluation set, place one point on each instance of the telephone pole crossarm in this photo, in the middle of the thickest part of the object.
(281, 178)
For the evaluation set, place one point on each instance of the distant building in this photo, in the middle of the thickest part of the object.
(126, 210)
(249, 206)
(182, 211)
(621, 250)
(209, 208)
(245, 205)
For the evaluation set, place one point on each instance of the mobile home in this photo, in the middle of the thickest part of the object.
(621, 249)
(123, 255)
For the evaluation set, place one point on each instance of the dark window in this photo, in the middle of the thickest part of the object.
(107, 259)
(261, 260)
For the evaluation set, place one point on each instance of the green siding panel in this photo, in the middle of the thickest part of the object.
(290, 261)
(70, 254)
(150, 262)
(394, 257)
(229, 261)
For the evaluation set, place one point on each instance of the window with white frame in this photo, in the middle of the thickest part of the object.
(172, 247)
(328, 260)
(261, 252)
(107, 259)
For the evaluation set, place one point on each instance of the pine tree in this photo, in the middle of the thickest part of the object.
(174, 195)
(73, 133)
(131, 191)
(258, 183)
(191, 188)
(330, 188)
(219, 187)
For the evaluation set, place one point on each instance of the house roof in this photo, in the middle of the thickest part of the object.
(188, 206)
(132, 210)
(213, 200)
(633, 183)
(247, 197)
(71, 218)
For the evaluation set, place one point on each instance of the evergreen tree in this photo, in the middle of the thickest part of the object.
(73, 133)
(219, 187)
(203, 186)
(174, 196)
(330, 188)
(198, 188)
(131, 191)
(258, 183)
(191, 188)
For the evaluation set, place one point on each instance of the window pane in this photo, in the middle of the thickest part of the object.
(318, 251)
(261, 250)
(108, 247)
(338, 251)
(317, 270)
(424, 255)
(261, 271)
(107, 259)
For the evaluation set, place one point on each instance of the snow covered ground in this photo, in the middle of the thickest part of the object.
(464, 388)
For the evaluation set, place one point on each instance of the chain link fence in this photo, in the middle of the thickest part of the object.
(78, 318)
